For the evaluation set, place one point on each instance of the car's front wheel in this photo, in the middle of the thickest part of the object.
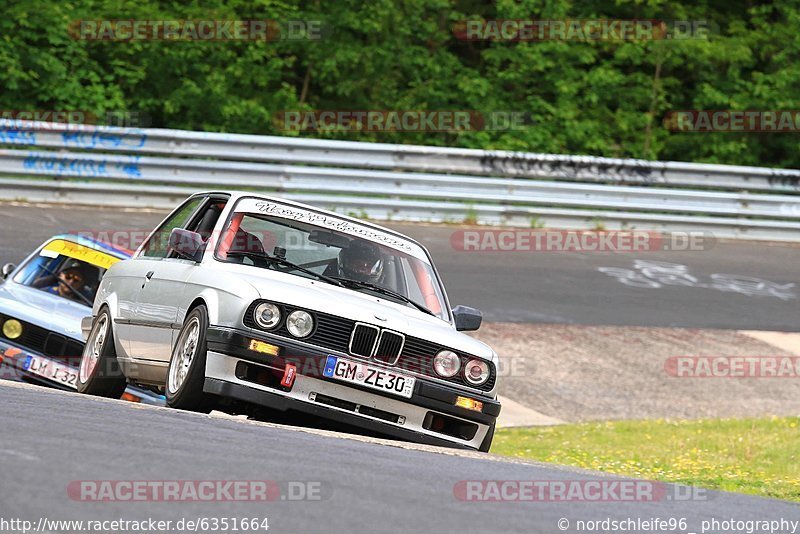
(187, 366)
(99, 373)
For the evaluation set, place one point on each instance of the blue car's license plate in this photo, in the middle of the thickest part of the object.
(51, 370)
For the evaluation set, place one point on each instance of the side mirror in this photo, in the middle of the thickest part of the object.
(467, 318)
(186, 244)
(8, 268)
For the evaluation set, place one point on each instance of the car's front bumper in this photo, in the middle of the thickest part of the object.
(13, 368)
(429, 416)
(13, 365)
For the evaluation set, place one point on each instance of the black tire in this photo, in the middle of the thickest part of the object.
(99, 373)
(186, 393)
(486, 444)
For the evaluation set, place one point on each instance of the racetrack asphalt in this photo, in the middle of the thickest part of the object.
(538, 287)
(52, 438)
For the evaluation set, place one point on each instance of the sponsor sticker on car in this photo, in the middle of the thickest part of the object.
(51, 370)
(79, 252)
(371, 377)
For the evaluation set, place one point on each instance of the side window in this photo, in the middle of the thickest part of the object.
(158, 244)
(204, 221)
(207, 218)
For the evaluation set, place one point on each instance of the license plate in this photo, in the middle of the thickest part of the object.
(57, 372)
(371, 377)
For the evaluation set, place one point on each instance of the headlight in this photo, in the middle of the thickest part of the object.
(299, 323)
(476, 372)
(12, 329)
(446, 363)
(267, 315)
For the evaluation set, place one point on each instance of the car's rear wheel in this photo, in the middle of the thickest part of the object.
(99, 372)
(187, 366)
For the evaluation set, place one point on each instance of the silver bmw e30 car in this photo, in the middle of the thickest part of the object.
(242, 298)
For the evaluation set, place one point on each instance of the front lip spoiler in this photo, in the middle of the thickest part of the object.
(429, 395)
(279, 402)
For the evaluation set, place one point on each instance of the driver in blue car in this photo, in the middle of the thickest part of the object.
(71, 283)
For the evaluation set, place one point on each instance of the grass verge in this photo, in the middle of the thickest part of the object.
(755, 456)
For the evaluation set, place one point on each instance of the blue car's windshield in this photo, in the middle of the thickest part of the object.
(62, 276)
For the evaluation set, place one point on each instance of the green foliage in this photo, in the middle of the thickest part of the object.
(471, 216)
(600, 98)
(756, 456)
(598, 224)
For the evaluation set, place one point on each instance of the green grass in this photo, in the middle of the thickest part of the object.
(756, 456)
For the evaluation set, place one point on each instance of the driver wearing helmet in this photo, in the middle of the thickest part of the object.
(361, 261)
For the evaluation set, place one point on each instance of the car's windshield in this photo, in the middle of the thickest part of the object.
(331, 247)
(58, 270)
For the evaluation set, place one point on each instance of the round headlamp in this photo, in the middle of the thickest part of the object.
(476, 372)
(299, 323)
(267, 315)
(446, 363)
(12, 329)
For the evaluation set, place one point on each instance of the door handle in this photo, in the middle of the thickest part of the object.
(147, 278)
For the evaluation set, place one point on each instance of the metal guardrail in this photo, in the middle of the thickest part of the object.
(155, 168)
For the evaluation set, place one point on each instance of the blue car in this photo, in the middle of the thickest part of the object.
(42, 303)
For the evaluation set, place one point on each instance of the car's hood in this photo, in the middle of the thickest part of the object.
(43, 309)
(360, 306)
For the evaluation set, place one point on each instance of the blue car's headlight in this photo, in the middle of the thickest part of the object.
(12, 329)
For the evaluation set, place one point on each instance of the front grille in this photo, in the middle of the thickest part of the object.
(33, 337)
(389, 347)
(54, 344)
(331, 331)
(358, 408)
(43, 341)
(358, 339)
(337, 403)
(363, 340)
(418, 357)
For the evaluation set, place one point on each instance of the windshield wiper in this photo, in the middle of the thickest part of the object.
(286, 263)
(387, 292)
